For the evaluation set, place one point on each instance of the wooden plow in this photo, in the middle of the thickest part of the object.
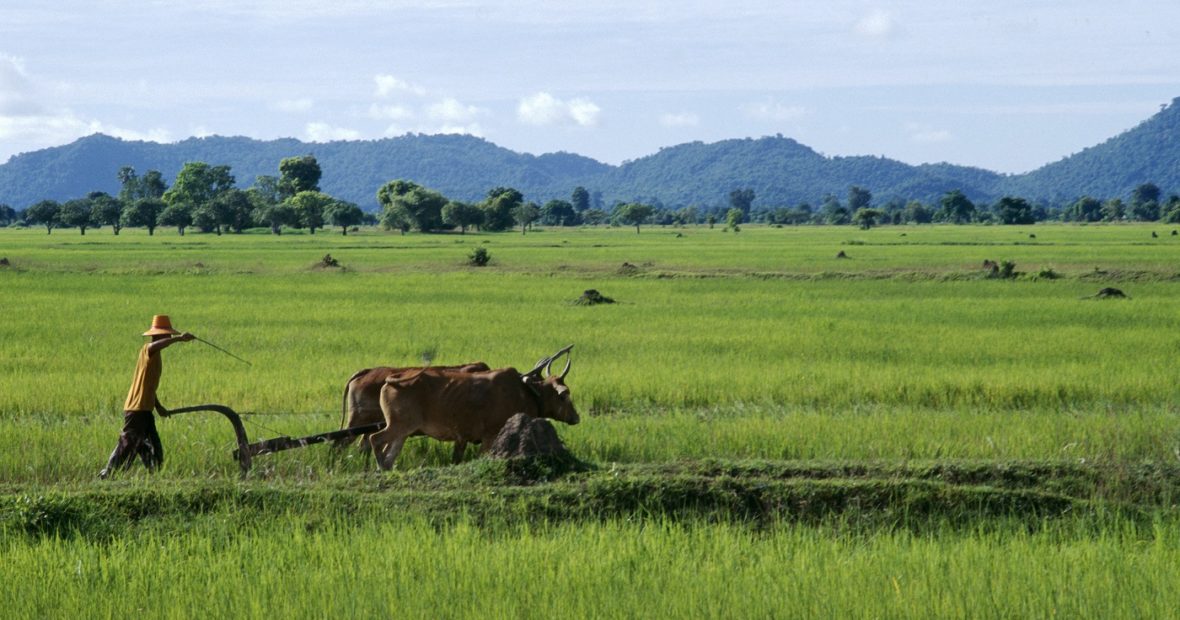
(246, 451)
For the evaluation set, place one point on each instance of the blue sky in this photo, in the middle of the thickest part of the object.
(1006, 85)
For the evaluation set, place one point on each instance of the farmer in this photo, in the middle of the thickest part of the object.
(139, 434)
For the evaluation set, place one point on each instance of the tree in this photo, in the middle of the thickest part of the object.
(76, 213)
(343, 214)
(461, 214)
(1144, 193)
(129, 182)
(46, 213)
(594, 217)
(177, 214)
(152, 185)
(498, 208)
(299, 174)
(407, 203)
(234, 210)
(559, 213)
(742, 199)
(956, 208)
(733, 218)
(106, 209)
(266, 190)
(309, 209)
(866, 217)
(1084, 209)
(580, 199)
(833, 212)
(633, 214)
(687, 215)
(1012, 210)
(275, 216)
(858, 198)
(144, 212)
(1113, 210)
(1171, 211)
(7, 215)
(917, 213)
(525, 215)
(197, 184)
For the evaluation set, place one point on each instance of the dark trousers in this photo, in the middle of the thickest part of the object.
(139, 437)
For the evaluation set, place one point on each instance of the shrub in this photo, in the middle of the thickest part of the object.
(1047, 273)
(479, 257)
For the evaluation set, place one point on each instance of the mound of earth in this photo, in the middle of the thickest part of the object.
(627, 269)
(526, 436)
(327, 262)
(4, 262)
(841, 254)
(591, 297)
(1110, 293)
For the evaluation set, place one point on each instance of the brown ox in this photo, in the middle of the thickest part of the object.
(462, 407)
(361, 402)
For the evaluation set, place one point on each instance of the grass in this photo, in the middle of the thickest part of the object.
(888, 435)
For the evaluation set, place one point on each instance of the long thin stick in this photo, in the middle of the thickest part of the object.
(200, 339)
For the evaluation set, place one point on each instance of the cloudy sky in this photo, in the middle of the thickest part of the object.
(1008, 85)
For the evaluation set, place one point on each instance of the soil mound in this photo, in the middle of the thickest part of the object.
(327, 262)
(841, 254)
(591, 297)
(1110, 293)
(4, 262)
(526, 436)
(627, 269)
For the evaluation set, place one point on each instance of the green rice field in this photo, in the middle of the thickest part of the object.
(767, 430)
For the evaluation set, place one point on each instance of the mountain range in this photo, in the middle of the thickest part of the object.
(781, 171)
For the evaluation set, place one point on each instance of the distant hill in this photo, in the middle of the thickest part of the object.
(781, 171)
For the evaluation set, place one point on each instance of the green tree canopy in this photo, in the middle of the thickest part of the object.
(46, 213)
(525, 215)
(77, 213)
(198, 183)
(343, 214)
(559, 213)
(106, 209)
(177, 214)
(461, 214)
(498, 208)
(580, 199)
(633, 214)
(956, 208)
(309, 209)
(299, 174)
(144, 212)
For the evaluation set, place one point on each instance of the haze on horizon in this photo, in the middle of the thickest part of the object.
(1005, 85)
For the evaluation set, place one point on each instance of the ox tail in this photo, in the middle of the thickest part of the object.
(344, 397)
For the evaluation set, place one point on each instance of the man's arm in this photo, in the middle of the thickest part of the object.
(163, 343)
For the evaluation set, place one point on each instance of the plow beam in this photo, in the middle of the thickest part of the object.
(278, 444)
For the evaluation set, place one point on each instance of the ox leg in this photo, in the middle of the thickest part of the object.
(387, 445)
(460, 451)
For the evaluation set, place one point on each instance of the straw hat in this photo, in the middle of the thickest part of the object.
(161, 324)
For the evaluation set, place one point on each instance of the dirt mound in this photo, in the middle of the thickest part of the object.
(526, 436)
(327, 262)
(1110, 293)
(627, 269)
(841, 254)
(4, 262)
(591, 297)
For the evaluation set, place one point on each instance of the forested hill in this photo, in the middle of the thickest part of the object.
(1148, 153)
(781, 171)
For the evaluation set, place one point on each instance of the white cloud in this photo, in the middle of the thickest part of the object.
(323, 132)
(545, 109)
(682, 119)
(451, 111)
(387, 85)
(472, 129)
(878, 23)
(773, 111)
(293, 105)
(925, 134)
(390, 112)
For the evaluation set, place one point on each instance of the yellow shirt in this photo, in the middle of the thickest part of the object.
(142, 396)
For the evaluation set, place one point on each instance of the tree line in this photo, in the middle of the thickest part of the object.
(205, 197)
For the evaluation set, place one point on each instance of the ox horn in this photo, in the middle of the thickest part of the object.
(554, 357)
(536, 371)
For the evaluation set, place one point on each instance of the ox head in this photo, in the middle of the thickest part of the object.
(551, 389)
